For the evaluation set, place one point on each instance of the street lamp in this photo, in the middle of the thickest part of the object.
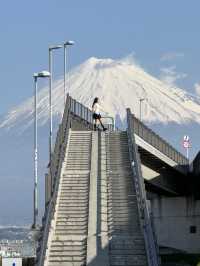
(43, 74)
(51, 49)
(67, 43)
(141, 100)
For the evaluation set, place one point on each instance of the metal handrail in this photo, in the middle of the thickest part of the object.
(80, 110)
(144, 214)
(159, 143)
(110, 126)
(61, 142)
(86, 114)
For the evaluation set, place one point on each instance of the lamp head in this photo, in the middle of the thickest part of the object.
(55, 47)
(42, 74)
(69, 43)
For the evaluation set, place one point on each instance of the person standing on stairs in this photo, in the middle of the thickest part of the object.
(96, 108)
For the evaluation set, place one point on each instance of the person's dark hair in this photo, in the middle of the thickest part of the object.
(96, 99)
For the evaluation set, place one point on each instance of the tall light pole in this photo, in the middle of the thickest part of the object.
(67, 43)
(43, 74)
(141, 100)
(51, 49)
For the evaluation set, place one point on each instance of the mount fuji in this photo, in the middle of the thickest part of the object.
(170, 111)
(119, 84)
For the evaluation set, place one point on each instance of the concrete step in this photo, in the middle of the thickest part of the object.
(73, 196)
(78, 149)
(66, 263)
(72, 190)
(67, 253)
(71, 223)
(72, 204)
(78, 193)
(71, 219)
(69, 228)
(81, 179)
(77, 186)
(127, 250)
(73, 181)
(77, 160)
(77, 168)
(74, 201)
(70, 232)
(126, 241)
(68, 248)
(58, 258)
(128, 260)
(71, 212)
(76, 173)
(72, 216)
(130, 229)
(69, 239)
(72, 208)
(82, 156)
(84, 152)
(69, 245)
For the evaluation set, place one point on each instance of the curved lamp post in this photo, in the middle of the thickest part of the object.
(43, 74)
(51, 49)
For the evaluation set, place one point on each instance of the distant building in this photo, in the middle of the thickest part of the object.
(11, 261)
(17, 248)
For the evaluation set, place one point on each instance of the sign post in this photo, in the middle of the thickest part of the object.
(186, 145)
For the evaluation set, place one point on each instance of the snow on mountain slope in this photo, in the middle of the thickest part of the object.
(119, 84)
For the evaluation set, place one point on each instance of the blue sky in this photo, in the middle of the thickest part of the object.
(164, 36)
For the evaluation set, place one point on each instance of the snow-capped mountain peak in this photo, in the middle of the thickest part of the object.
(119, 84)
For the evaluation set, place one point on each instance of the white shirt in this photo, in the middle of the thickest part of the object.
(96, 108)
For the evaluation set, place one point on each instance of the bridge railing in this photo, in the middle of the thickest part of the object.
(144, 212)
(156, 141)
(53, 177)
(80, 110)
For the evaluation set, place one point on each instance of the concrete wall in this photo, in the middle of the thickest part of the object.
(165, 178)
(79, 124)
(173, 219)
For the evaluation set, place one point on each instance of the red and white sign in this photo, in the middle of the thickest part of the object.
(186, 142)
(186, 145)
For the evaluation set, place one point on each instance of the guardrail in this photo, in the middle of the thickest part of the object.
(55, 173)
(144, 214)
(156, 141)
(78, 109)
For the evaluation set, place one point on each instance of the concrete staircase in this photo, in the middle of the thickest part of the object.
(126, 244)
(96, 219)
(68, 237)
